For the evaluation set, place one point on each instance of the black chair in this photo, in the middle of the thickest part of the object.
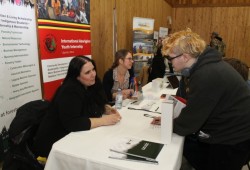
(21, 132)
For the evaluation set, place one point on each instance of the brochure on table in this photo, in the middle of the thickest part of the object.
(136, 150)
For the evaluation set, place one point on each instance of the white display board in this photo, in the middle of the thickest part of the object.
(143, 42)
(19, 62)
(163, 32)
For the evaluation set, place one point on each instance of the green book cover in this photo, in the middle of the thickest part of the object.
(138, 150)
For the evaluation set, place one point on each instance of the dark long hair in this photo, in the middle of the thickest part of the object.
(94, 92)
(75, 67)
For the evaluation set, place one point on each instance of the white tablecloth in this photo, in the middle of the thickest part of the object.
(89, 150)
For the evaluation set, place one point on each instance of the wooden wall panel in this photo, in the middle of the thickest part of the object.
(208, 3)
(101, 18)
(232, 23)
(102, 25)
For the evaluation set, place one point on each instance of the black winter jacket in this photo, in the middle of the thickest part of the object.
(217, 102)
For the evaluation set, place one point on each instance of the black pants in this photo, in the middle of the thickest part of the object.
(204, 156)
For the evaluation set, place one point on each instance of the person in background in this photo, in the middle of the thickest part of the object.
(118, 76)
(143, 75)
(79, 104)
(57, 7)
(71, 12)
(213, 35)
(157, 68)
(81, 17)
(239, 66)
(218, 43)
(64, 10)
(216, 118)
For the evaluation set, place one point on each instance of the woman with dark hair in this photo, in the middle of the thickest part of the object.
(119, 76)
(78, 104)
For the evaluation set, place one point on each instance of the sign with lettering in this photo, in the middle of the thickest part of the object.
(62, 37)
(19, 64)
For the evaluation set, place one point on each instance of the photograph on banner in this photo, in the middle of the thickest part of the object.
(143, 42)
(68, 10)
(19, 64)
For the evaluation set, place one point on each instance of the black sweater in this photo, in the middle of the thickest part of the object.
(217, 102)
(108, 82)
(69, 111)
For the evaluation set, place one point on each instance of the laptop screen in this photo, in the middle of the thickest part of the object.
(173, 81)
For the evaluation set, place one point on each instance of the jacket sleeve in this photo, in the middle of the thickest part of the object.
(70, 107)
(108, 84)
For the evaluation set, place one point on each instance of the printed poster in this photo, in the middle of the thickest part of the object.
(19, 66)
(163, 32)
(63, 34)
(143, 42)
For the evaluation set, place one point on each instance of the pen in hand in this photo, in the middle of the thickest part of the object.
(156, 108)
(133, 102)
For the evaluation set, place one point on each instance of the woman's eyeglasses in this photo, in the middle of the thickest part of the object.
(130, 59)
(171, 58)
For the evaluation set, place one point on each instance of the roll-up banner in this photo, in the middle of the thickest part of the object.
(64, 32)
(143, 36)
(19, 63)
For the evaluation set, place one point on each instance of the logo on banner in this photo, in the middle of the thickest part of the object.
(50, 43)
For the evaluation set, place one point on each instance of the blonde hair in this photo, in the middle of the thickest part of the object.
(184, 41)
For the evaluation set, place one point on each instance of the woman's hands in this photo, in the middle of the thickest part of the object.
(111, 116)
(127, 93)
(109, 110)
(111, 119)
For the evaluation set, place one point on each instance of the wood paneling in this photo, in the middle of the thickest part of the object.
(208, 3)
(102, 25)
(232, 23)
(101, 33)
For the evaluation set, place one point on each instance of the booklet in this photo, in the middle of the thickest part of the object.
(120, 156)
(136, 150)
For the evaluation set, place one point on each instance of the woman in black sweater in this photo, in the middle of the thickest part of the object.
(78, 105)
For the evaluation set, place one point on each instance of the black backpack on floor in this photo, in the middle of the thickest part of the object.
(21, 134)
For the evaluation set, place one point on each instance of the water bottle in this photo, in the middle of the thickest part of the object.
(118, 99)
